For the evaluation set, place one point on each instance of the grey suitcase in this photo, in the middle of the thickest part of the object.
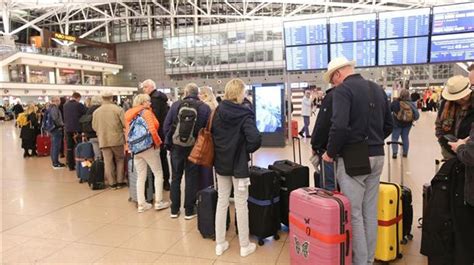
(132, 183)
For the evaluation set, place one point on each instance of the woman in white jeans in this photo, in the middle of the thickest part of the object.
(149, 157)
(235, 136)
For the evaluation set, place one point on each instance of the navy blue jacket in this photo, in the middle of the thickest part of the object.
(203, 114)
(351, 115)
(235, 135)
(73, 111)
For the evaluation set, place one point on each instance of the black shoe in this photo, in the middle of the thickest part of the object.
(121, 185)
(166, 186)
(34, 153)
(81, 181)
(113, 186)
(72, 169)
(301, 134)
(308, 136)
(62, 156)
(394, 156)
(25, 155)
(405, 155)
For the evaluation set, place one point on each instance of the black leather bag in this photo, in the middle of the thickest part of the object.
(356, 159)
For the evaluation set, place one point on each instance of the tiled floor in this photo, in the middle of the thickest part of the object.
(48, 218)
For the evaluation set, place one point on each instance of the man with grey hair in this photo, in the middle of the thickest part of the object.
(53, 124)
(86, 124)
(109, 124)
(182, 124)
(159, 106)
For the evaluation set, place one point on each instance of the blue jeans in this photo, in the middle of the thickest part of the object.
(329, 176)
(180, 164)
(305, 128)
(56, 142)
(404, 132)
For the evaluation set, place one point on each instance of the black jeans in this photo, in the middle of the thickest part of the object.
(180, 163)
(71, 141)
(164, 164)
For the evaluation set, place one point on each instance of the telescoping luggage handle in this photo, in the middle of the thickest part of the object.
(401, 163)
(323, 173)
(296, 139)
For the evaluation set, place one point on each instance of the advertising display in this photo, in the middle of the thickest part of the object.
(40, 75)
(305, 32)
(352, 28)
(452, 48)
(403, 51)
(407, 23)
(362, 52)
(453, 18)
(269, 112)
(93, 78)
(306, 57)
(69, 77)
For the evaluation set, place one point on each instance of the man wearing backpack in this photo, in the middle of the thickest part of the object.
(159, 105)
(53, 124)
(182, 124)
(404, 114)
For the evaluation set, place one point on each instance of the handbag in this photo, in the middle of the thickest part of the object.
(203, 151)
(356, 155)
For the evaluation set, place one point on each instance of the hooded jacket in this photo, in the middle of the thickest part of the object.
(150, 119)
(159, 106)
(235, 136)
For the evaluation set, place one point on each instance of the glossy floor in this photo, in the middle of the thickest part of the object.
(48, 218)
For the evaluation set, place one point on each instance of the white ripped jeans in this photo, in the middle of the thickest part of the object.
(150, 157)
(224, 185)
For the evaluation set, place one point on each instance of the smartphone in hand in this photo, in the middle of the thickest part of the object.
(450, 138)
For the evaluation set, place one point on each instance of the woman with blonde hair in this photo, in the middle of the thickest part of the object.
(207, 96)
(149, 157)
(30, 131)
(235, 136)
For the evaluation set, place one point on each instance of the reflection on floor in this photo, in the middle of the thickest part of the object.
(47, 217)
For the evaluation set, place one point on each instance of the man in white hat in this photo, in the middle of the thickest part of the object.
(361, 121)
(108, 122)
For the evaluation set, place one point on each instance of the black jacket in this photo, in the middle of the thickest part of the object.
(90, 111)
(320, 135)
(235, 136)
(73, 111)
(352, 114)
(17, 109)
(159, 105)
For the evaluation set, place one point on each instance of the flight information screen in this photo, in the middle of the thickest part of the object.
(352, 28)
(400, 24)
(362, 52)
(306, 57)
(306, 32)
(403, 51)
(453, 18)
(452, 48)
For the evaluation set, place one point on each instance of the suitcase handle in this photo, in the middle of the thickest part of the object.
(348, 242)
(388, 162)
(296, 139)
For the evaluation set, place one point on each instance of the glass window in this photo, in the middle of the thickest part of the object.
(251, 57)
(269, 57)
(93, 78)
(69, 76)
(258, 36)
(241, 58)
(17, 73)
(259, 56)
(240, 38)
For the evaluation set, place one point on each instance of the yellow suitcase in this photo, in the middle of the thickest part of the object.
(390, 230)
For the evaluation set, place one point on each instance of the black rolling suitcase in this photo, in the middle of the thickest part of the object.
(293, 176)
(264, 203)
(206, 211)
(407, 206)
(96, 180)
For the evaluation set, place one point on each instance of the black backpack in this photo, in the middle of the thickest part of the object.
(437, 239)
(185, 123)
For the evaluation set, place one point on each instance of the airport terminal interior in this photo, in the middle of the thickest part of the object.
(284, 51)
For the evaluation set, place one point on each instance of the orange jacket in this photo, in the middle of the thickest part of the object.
(150, 119)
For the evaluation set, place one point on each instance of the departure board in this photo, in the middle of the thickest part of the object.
(452, 48)
(453, 18)
(408, 23)
(306, 57)
(403, 51)
(305, 32)
(352, 28)
(362, 52)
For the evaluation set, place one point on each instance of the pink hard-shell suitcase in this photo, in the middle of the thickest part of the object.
(320, 227)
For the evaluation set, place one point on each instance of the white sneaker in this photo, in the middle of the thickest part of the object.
(220, 248)
(245, 251)
(162, 205)
(144, 207)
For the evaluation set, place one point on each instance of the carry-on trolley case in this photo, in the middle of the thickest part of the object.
(84, 155)
(320, 227)
(132, 183)
(292, 176)
(390, 219)
(43, 144)
(264, 203)
(96, 179)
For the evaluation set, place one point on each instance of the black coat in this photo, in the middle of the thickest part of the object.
(320, 135)
(73, 111)
(235, 136)
(90, 111)
(29, 132)
(352, 114)
(159, 105)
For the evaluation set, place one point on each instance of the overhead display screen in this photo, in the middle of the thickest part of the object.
(453, 18)
(403, 51)
(400, 24)
(307, 57)
(362, 52)
(352, 28)
(306, 32)
(452, 48)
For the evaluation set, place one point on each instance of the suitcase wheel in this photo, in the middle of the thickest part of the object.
(400, 255)
(276, 237)
(260, 242)
(410, 237)
(404, 241)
